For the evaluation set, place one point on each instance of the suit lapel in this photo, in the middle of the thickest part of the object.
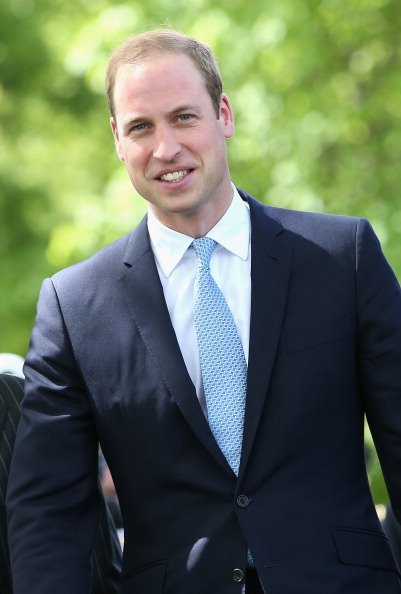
(271, 263)
(144, 296)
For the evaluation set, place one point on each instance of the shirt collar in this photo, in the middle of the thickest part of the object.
(232, 232)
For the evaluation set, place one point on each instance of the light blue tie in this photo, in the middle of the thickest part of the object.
(222, 360)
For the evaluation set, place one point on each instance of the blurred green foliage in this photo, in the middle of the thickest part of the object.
(315, 86)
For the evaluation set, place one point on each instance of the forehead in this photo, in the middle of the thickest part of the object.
(158, 81)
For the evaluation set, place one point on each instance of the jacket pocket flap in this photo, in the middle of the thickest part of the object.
(146, 579)
(370, 549)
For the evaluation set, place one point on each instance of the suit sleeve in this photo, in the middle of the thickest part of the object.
(53, 497)
(379, 355)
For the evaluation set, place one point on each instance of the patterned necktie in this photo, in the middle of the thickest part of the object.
(222, 360)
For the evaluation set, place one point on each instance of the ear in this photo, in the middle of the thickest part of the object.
(117, 143)
(226, 116)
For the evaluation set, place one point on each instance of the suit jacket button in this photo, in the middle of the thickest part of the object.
(238, 575)
(242, 501)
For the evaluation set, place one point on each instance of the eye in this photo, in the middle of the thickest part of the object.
(185, 117)
(138, 128)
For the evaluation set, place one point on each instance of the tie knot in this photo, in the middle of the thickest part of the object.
(204, 247)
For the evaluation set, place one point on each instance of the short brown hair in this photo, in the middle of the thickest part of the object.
(137, 48)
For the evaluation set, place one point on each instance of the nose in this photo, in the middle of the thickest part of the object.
(166, 146)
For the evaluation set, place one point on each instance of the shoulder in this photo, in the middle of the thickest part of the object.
(102, 264)
(314, 226)
(92, 282)
(109, 262)
(84, 285)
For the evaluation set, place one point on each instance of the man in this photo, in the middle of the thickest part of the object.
(124, 351)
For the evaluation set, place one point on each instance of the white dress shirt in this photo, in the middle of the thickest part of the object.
(230, 266)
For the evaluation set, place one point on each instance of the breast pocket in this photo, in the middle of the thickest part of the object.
(313, 336)
(147, 579)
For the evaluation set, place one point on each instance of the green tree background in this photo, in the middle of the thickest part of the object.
(315, 86)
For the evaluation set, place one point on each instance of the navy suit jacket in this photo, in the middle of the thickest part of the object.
(104, 363)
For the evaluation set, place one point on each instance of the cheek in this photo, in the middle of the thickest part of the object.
(205, 147)
(135, 157)
(216, 150)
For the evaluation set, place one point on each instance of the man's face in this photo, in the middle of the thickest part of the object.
(167, 132)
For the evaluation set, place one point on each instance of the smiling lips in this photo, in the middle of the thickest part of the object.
(174, 176)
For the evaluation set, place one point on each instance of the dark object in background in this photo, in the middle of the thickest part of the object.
(393, 530)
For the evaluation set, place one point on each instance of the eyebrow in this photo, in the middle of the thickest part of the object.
(186, 107)
(143, 119)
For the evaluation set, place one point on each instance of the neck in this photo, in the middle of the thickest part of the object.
(195, 224)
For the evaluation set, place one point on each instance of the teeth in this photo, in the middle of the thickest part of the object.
(174, 175)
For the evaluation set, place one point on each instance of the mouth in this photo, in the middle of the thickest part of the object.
(174, 176)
